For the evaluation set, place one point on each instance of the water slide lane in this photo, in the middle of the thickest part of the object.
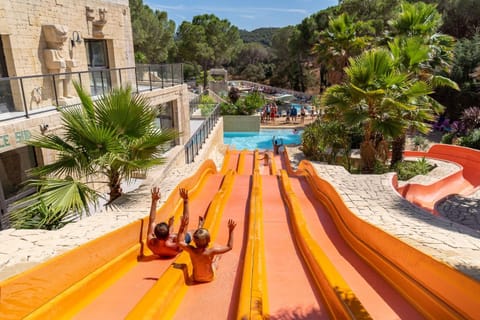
(219, 299)
(122, 296)
(241, 162)
(377, 296)
(291, 292)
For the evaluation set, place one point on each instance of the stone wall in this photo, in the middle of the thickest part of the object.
(241, 123)
(179, 95)
(24, 41)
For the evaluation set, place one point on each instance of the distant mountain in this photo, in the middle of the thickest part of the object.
(261, 35)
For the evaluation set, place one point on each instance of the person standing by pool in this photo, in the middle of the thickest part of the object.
(273, 111)
(303, 113)
(293, 113)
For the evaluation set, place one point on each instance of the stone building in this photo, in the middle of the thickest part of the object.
(45, 46)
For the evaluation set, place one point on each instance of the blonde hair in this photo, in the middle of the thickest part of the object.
(201, 237)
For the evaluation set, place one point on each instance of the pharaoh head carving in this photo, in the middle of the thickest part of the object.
(55, 35)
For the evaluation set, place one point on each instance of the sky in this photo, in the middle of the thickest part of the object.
(245, 14)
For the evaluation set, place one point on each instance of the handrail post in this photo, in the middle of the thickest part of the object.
(120, 77)
(55, 90)
(163, 85)
(181, 74)
(136, 78)
(150, 77)
(103, 84)
(24, 100)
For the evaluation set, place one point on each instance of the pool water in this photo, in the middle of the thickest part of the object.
(261, 140)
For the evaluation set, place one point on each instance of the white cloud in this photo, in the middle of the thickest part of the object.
(247, 16)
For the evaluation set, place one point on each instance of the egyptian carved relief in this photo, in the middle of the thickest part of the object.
(97, 25)
(57, 60)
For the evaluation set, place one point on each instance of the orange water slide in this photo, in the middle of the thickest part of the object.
(122, 296)
(107, 275)
(299, 252)
(366, 292)
(463, 182)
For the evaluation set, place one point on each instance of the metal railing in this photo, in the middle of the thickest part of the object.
(20, 97)
(196, 141)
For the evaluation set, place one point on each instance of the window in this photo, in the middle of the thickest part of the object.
(165, 118)
(14, 166)
(97, 60)
(6, 102)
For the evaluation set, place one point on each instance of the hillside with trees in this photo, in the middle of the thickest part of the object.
(312, 55)
(260, 35)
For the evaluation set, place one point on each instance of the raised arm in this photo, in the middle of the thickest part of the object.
(231, 226)
(153, 211)
(185, 216)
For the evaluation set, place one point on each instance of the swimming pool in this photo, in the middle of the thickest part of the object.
(261, 140)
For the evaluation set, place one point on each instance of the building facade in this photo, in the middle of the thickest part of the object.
(46, 46)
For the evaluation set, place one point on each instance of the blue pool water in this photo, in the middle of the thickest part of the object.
(261, 140)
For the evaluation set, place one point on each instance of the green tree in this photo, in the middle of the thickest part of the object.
(208, 42)
(152, 33)
(376, 12)
(251, 61)
(466, 60)
(420, 49)
(285, 62)
(325, 140)
(114, 137)
(460, 17)
(373, 96)
(343, 38)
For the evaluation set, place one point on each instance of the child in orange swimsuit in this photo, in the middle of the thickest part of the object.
(203, 258)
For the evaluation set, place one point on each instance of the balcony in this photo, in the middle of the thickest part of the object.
(22, 97)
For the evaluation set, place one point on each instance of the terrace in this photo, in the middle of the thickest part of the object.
(22, 97)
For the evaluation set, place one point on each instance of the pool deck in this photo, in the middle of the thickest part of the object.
(281, 122)
(371, 197)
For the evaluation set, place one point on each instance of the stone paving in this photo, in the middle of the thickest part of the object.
(371, 197)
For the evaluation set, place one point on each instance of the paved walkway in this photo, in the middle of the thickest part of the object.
(371, 197)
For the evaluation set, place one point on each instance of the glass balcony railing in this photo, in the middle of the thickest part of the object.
(21, 97)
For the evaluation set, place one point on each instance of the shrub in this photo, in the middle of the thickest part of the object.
(448, 138)
(247, 105)
(206, 105)
(420, 143)
(408, 169)
(472, 140)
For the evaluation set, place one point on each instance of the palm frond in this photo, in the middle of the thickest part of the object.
(440, 81)
(58, 201)
(86, 100)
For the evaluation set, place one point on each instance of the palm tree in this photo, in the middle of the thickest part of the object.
(418, 48)
(342, 39)
(114, 137)
(375, 95)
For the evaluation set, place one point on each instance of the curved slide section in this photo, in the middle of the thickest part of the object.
(465, 181)
(433, 288)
